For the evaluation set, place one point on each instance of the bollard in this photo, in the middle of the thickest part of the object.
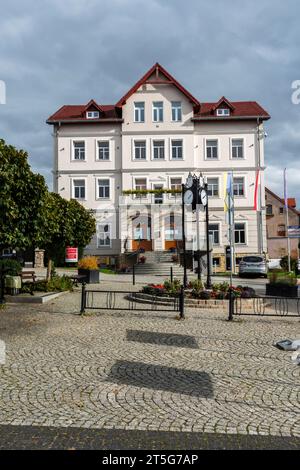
(181, 303)
(83, 299)
(133, 275)
(231, 305)
(171, 273)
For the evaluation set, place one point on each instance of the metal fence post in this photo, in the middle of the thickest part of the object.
(231, 305)
(181, 302)
(2, 284)
(83, 298)
(133, 275)
(171, 273)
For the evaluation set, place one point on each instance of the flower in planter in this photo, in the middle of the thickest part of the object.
(174, 258)
(142, 259)
(88, 262)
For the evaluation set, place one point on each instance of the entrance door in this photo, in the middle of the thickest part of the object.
(141, 236)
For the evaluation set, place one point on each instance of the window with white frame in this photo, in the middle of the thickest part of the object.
(92, 114)
(139, 111)
(213, 230)
(158, 111)
(79, 189)
(103, 235)
(212, 149)
(103, 150)
(103, 188)
(158, 149)
(140, 185)
(140, 150)
(175, 184)
(213, 187)
(237, 148)
(79, 150)
(238, 186)
(176, 111)
(177, 149)
(223, 112)
(240, 233)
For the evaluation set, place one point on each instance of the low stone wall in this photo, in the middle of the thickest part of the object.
(188, 302)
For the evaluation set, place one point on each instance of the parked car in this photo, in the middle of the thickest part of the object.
(298, 267)
(254, 265)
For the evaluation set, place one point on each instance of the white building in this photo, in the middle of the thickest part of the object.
(152, 138)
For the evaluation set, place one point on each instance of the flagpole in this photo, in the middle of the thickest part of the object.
(287, 220)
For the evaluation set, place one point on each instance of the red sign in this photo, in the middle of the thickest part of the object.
(71, 254)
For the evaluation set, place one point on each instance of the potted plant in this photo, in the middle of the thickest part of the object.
(174, 258)
(282, 286)
(142, 259)
(11, 269)
(88, 267)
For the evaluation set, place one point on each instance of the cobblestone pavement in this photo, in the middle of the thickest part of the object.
(110, 370)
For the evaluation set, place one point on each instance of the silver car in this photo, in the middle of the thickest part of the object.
(253, 264)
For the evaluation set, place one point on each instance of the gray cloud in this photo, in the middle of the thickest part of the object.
(66, 52)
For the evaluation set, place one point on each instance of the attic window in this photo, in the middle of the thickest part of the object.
(92, 114)
(223, 112)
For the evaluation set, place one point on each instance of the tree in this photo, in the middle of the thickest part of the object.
(64, 223)
(21, 198)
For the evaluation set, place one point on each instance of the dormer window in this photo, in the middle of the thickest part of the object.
(223, 112)
(92, 114)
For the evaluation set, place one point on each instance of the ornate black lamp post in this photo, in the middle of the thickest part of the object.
(194, 192)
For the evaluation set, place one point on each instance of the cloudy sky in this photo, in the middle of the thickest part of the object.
(56, 52)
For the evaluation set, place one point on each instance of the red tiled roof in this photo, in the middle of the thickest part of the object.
(240, 109)
(291, 201)
(202, 111)
(77, 113)
(158, 69)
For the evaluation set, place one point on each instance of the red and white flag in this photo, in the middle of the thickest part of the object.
(256, 191)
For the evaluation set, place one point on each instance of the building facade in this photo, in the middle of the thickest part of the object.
(276, 226)
(151, 139)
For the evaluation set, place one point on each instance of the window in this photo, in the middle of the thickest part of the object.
(269, 209)
(237, 147)
(141, 185)
(213, 187)
(177, 150)
(238, 187)
(92, 114)
(239, 233)
(140, 150)
(103, 150)
(281, 230)
(158, 111)
(103, 235)
(79, 189)
(175, 183)
(139, 111)
(223, 112)
(216, 262)
(158, 149)
(213, 229)
(176, 111)
(158, 198)
(280, 210)
(79, 150)
(103, 188)
(212, 149)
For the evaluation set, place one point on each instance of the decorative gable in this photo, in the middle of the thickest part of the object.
(223, 108)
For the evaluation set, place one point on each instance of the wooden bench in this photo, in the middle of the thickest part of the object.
(78, 278)
(25, 275)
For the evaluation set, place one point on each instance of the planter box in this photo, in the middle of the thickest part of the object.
(92, 275)
(13, 284)
(280, 290)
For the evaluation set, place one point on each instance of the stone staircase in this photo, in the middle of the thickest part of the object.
(158, 263)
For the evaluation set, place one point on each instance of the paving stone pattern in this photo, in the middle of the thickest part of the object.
(105, 371)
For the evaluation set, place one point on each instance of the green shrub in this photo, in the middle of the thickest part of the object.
(13, 266)
(172, 287)
(285, 265)
(56, 284)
